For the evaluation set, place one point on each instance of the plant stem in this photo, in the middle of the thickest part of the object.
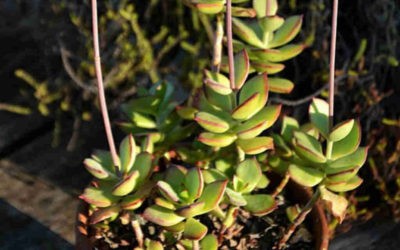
(281, 185)
(230, 43)
(299, 219)
(332, 63)
(100, 86)
(195, 245)
(217, 53)
(138, 232)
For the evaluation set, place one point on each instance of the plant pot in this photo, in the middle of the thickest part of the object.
(317, 220)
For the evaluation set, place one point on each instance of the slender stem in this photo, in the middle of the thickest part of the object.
(281, 185)
(299, 219)
(100, 86)
(217, 53)
(332, 62)
(138, 232)
(230, 43)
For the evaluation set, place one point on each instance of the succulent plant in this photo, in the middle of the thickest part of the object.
(118, 188)
(237, 115)
(184, 195)
(334, 169)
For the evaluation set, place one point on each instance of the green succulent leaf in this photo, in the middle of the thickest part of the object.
(279, 55)
(243, 12)
(255, 145)
(247, 108)
(223, 102)
(280, 85)
(211, 122)
(349, 144)
(287, 31)
(281, 147)
(267, 67)
(235, 198)
(191, 210)
(175, 175)
(146, 105)
(154, 245)
(168, 191)
(242, 67)
(96, 169)
(265, 7)
(217, 140)
(336, 203)
(212, 195)
(260, 204)
(126, 185)
(194, 229)
(292, 212)
(344, 186)
(164, 203)
(209, 242)
(261, 121)
(289, 125)
(256, 85)
(356, 159)
(248, 31)
(218, 82)
(308, 147)
(104, 214)
(186, 113)
(194, 183)
(210, 6)
(143, 164)
(98, 197)
(211, 175)
(305, 176)
(162, 216)
(249, 172)
(340, 131)
(263, 182)
(271, 23)
(127, 153)
(143, 121)
(104, 158)
(319, 116)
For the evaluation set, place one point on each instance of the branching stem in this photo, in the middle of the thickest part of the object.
(100, 86)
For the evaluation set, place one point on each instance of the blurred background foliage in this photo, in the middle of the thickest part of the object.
(47, 69)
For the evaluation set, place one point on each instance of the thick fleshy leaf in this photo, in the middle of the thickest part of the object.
(223, 102)
(267, 67)
(194, 183)
(309, 129)
(281, 147)
(356, 159)
(175, 175)
(265, 7)
(349, 144)
(217, 140)
(256, 85)
(242, 67)
(104, 158)
(194, 229)
(271, 23)
(345, 186)
(146, 105)
(143, 164)
(340, 131)
(319, 115)
(177, 228)
(211, 175)
(96, 169)
(308, 147)
(255, 145)
(261, 121)
(104, 214)
(164, 203)
(98, 197)
(305, 176)
(135, 200)
(235, 198)
(292, 212)
(287, 31)
(280, 85)
(168, 191)
(218, 82)
(289, 125)
(249, 172)
(243, 12)
(191, 210)
(263, 182)
(211, 122)
(342, 175)
(127, 153)
(212, 195)
(154, 245)
(209, 242)
(247, 108)
(248, 31)
(143, 121)
(162, 216)
(336, 203)
(260, 204)
(126, 185)
(186, 112)
(210, 6)
(279, 55)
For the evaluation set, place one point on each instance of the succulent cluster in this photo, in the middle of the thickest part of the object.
(224, 124)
